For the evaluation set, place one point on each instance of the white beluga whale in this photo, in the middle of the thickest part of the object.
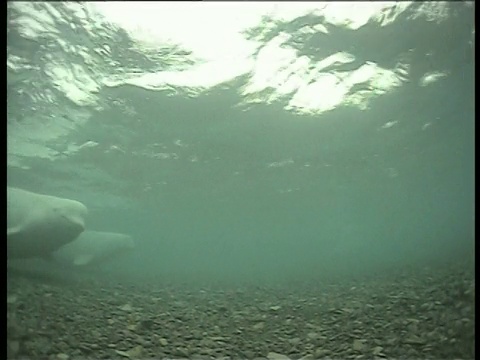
(39, 224)
(94, 247)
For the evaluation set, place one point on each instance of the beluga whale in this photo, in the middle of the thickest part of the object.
(38, 224)
(92, 248)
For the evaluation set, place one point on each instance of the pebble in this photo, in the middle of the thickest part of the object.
(136, 352)
(277, 356)
(321, 353)
(295, 341)
(181, 352)
(377, 350)
(132, 327)
(122, 353)
(414, 340)
(358, 345)
(308, 357)
(126, 307)
(258, 326)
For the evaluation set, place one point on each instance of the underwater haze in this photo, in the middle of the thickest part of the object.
(251, 142)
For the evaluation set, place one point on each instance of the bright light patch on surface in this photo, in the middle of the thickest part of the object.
(389, 124)
(324, 94)
(354, 14)
(431, 77)
(201, 76)
(210, 30)
(213, 32)
(269, 62)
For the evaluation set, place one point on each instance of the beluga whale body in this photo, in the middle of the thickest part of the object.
(38, 224)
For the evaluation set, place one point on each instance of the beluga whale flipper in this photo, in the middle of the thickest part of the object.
(39, 224)
(93, 248)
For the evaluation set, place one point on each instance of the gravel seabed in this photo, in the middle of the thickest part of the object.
(422, 313)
